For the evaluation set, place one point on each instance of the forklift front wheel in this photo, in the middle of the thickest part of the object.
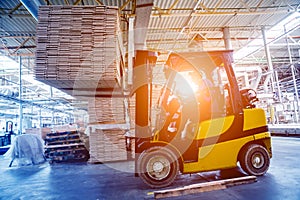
(255, 160)
(158, 167)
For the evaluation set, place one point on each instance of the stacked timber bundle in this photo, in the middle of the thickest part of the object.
(107, 145)
(107, 137)
(131, 105)
(42, 132)
(106, 110)
(78, 47)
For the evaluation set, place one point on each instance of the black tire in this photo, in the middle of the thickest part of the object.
(158, 167)
(255, 160)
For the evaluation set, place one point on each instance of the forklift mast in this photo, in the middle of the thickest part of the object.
(143, 64)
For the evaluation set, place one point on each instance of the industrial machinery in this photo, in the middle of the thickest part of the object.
(6, 137)
(205, 121)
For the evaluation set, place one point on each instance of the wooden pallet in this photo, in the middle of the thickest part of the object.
(203, 187)
(65, 146)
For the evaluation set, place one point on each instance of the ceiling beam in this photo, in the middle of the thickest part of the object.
(21, 45)
(258, 5)
(245, 5)
(217, 6)
(15, 37)
(168, 10)
(197, 14)
(77, 2)
(99, 2)
(202, 39)
(15, 8)
(124, 5)
(18, 47)
(272, 41)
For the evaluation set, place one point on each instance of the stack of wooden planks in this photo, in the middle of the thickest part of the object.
(131, 105)
(106, 110)
(107, 140)
(107, 145)
(78, 47)
(42, 132)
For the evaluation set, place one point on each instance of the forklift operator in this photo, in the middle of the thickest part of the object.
(189, 113)
(196, 103)
(189, 97)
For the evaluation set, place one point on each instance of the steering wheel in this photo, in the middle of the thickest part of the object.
(249, 96)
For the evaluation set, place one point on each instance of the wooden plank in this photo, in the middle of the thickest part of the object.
(64, 145)
(203, 187)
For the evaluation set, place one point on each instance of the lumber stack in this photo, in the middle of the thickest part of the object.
(108, 124)
(78, 47)
(106, 110)
(107, 145)
(42, 132)
(131, 105)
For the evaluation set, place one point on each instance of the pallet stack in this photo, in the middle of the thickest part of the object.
(78, 47)
(65, 146)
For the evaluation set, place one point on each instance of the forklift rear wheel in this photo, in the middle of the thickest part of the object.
(255, 160)
(158, 167)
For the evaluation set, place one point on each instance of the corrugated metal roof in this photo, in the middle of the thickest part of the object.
(173, 23)
(173, 26)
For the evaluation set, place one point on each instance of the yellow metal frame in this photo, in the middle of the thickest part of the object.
(221, 155)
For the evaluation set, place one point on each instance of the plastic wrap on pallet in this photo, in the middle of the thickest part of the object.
(27, 149)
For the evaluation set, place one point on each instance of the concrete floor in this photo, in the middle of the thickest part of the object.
(116, 181)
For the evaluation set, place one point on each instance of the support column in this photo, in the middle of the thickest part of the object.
(296, 108)
(227, 39)
(20, 93)
(246, 78)
(40, 118)
(278, 86)
(52, 111)
(130, 49)
(268, 55)
(143, 12)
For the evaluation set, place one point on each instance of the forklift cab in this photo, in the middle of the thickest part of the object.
(200, 84)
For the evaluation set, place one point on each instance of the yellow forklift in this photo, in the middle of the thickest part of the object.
(205, 123)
